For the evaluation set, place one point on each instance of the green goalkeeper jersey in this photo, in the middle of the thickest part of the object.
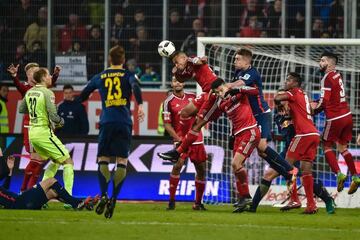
(39, 102)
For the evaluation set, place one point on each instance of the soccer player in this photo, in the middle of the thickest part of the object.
(339, 124)
(35, 197)
(177, 128)
(35, 165)
(303, 146)
(205, 106)
(247, 75)
(115, 86)
(287, 131)
(39, 103)
(245, 130)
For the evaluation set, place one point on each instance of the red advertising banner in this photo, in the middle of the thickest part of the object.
(152, 100)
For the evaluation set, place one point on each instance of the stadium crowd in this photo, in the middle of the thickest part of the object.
(137, 26)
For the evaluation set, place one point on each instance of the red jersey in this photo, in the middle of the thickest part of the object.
(300, 113)
(239, 111)
(171, 114)
(333, 98)
(203, 74)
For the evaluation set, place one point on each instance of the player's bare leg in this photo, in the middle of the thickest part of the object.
(174, 154)
(242, 184)
(200, 184)
(330, 158)
(174, 181)
(104, 179)
(355, 180)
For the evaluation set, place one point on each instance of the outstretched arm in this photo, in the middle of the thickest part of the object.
(138, 96)
(21, 87)
(89, 88)
(55, 75)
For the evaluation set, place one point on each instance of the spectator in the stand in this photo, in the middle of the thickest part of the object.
(150, 75)
(200, 9)
(190, 45)
(74, 114)
(252, 30)
(138, 21)
(263, 34)
(133, 67)
(274, 19)
(176, 28)
(21, 58)
(37, 31)
(336, 22)
(141, 48)
(322, 9)
(37, 53)
(6, 47)
(22, 16)
(95, 10)
(317, 28)
(4, 120)
(95, 51)
(76, 48)
(298, 28)
(252, 9)
(120, 31)
(73, 30)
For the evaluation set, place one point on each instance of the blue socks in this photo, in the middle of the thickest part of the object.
(261, 191)
(278, 163)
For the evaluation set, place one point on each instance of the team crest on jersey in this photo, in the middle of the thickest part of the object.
(246, 77)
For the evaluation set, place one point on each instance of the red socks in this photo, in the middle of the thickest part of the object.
(308, 182)
(294, 195)
(35, 175)
(189, 139)
(332, 161)
(349, 162)
(242, 183)
(200, 188)
(31, 169)
(174, 181)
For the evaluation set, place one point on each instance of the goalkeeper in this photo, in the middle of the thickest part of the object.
(39, 102)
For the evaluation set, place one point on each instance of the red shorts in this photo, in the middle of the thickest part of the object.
(207, 105)
(196, 153)
(26, 141)
(303, 148)
(246, 141)
(339, 130)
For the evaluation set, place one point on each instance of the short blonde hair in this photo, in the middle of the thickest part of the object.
(30, 65)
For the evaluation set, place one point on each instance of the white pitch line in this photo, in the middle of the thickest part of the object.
(154, 223)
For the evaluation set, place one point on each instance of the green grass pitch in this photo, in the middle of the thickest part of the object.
(152, 221)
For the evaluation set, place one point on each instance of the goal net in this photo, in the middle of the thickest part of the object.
(274, 58)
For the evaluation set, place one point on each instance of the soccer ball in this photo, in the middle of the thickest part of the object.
(166, 48)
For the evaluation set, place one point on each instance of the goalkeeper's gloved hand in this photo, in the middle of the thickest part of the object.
(233, 92)
(59, 124)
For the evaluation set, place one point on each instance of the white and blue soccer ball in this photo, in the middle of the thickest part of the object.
(166, 48)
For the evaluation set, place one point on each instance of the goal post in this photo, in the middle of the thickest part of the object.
(274, 58)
